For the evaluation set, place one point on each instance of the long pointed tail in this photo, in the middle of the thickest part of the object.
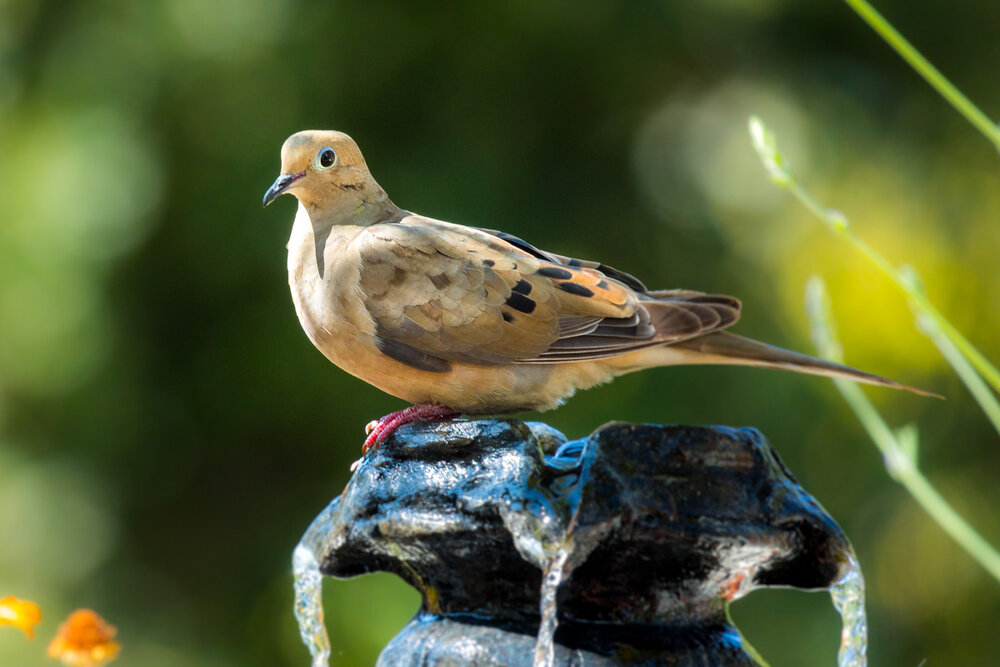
(727, 348)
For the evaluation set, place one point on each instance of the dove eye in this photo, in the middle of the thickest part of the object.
(326, 158)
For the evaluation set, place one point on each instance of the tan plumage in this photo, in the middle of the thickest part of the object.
(475, 319)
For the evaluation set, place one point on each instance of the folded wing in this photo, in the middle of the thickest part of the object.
(440, 293)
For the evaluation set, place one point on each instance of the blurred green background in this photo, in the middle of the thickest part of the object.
(167, 432)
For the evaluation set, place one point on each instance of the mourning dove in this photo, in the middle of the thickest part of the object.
(462, 320)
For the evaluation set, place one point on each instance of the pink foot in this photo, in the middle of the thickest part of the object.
(379, 430)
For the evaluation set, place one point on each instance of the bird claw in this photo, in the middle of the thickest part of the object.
(378, 430)
(374, 439)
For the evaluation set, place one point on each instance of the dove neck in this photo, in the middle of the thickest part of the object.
(375, 206)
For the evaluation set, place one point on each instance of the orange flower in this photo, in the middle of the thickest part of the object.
(21, 614)
(84, 640)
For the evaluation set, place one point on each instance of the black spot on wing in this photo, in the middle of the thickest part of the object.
(555, 272)
(521, 303)
(523, 245)
(611, 272)
(507, 317)
(574, 288)
(488, 262)
(522, 287)
(622, 277)
(411, 356)
(603, 284)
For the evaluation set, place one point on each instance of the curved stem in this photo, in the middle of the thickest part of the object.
(917, 299)
(900, 460)
(930, 73)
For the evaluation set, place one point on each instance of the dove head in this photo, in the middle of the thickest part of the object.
(325, 170)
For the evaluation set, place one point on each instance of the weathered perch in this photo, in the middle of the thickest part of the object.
(629, 541)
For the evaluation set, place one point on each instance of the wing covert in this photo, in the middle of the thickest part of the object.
(441, 293)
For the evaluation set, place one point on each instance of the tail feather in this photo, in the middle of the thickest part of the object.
(727, 348)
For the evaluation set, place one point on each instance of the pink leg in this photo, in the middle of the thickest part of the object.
(379, 430)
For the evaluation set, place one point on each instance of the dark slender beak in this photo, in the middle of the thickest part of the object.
(280, 185)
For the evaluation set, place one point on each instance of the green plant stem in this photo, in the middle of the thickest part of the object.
(898, 450)
(757, 657)
(781, 174)
(904, 470)
(918, 300)
(900, 463)
(930, 73)
(979, 390)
